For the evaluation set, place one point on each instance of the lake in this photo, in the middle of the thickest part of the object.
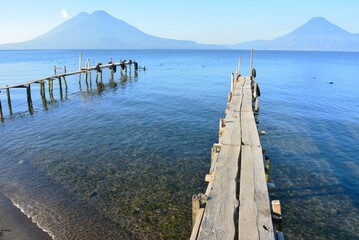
(124, 161)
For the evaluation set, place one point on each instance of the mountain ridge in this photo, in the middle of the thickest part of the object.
(317, 34)
(100, 30)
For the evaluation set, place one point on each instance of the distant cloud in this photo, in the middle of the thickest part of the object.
(64, 14)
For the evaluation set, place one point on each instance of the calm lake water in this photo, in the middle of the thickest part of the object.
(124, 162)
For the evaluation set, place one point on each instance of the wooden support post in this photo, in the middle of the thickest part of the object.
(251, 62)
(232, 82)
(29, 101)
(51, 89)
(54, 70)
(43, 95)
(90, 82)
(86, 76)
(256, 105)
(121, 71)
(64, 69)
(196, 205)
(1, 114)
(87, 84)
(9, 100)
(80, 62)
(239, 67)
(60, 86)
(80, 78)
(41, 87)
(66, 89)
(255, 90)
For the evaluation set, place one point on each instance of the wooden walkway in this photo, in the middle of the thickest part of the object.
(236, 203)
(123, 65)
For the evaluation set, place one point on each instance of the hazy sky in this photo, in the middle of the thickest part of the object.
(204, 21)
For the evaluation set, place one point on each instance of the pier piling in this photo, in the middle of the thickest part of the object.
(9, 100)
(1, 114)
(60, 88)
(29, 101)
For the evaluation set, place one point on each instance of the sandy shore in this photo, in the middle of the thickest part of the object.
(14, 225)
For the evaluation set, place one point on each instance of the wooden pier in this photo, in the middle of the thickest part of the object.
(61, 77)
(236, 203)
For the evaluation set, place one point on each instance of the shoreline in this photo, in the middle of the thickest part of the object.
(16, 225)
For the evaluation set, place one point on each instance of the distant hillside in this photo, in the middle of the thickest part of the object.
(317, 34)
(101, 31)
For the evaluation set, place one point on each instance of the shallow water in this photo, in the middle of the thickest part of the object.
(124, 162)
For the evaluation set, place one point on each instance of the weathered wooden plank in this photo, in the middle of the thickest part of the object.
(254, 211)
(248, 81)
(197, 224)
(219, 216)
(247, 101)
(250, 136)
(237, 91)
(236, 103)
(231, 114)
(232, 133)
(240, 81)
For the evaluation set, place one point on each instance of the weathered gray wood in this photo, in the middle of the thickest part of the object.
(256, 104)
(239, 135)
(219, 216)
(251, 62)
(214, 155)
(239, 67)
(197, 224)
(247, 103)
(250, 136)
(196, 205)
(236, 103)
(254, 212)
(232, 133)
(240, 81)
(237, 91)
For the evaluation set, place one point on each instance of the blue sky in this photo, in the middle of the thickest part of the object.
(204, 21)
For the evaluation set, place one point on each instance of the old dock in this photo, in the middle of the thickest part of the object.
(236, 204)
(125, 68)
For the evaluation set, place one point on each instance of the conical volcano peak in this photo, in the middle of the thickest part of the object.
(100, 13)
